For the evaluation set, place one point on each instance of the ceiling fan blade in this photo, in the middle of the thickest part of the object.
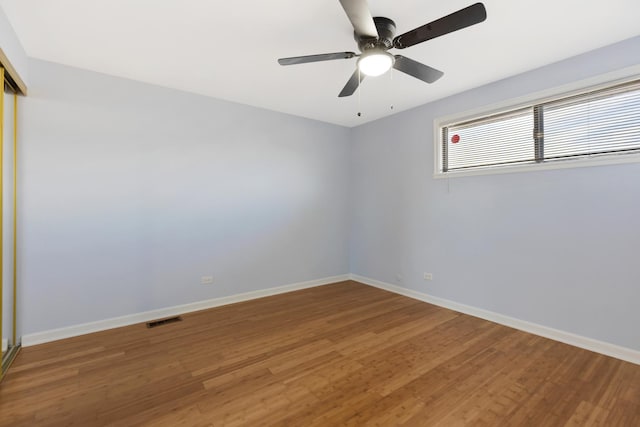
(463, 18)
(417, 69)
(316, 58)
(356, 78)
(360, 17)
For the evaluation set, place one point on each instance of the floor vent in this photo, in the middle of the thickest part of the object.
(161, 322)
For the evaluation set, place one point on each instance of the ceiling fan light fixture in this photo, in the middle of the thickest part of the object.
(375, 62)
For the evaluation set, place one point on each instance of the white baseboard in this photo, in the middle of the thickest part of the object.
(116, 322)
(5, 344)
(602, 347)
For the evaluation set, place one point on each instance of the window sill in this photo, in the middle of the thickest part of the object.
(550, 165)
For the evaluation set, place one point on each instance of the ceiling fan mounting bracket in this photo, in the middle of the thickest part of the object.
(386, 30)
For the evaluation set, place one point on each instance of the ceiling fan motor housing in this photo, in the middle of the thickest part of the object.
(386, 31)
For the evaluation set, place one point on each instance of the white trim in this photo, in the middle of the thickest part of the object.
(608, 349)
(116, 322)
(5, 345)
(560, 164)
(594, 83)
(602, 347)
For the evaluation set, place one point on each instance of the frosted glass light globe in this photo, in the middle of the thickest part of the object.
(375, 62)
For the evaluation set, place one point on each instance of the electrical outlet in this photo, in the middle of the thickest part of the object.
(428, 276)
(206, 280)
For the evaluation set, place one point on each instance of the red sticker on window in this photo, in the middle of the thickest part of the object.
(455, 139)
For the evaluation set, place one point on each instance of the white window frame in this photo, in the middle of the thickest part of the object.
(603, 81)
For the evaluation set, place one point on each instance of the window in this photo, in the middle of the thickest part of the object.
(598, 123)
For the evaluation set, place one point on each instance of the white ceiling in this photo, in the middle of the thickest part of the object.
(228, 49)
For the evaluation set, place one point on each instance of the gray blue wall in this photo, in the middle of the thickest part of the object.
(12, 48)
(131, 192)
(559, 248)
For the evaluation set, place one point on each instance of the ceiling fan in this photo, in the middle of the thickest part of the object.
(375, 36)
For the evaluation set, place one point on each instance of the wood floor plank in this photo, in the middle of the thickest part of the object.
(342, 354)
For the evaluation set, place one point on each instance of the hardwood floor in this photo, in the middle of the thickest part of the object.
(342, 354)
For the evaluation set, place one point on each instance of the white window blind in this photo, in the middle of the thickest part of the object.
(593, 123)
(491, 141)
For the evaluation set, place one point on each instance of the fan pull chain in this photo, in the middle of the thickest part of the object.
(359, 89)
(392, 91)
